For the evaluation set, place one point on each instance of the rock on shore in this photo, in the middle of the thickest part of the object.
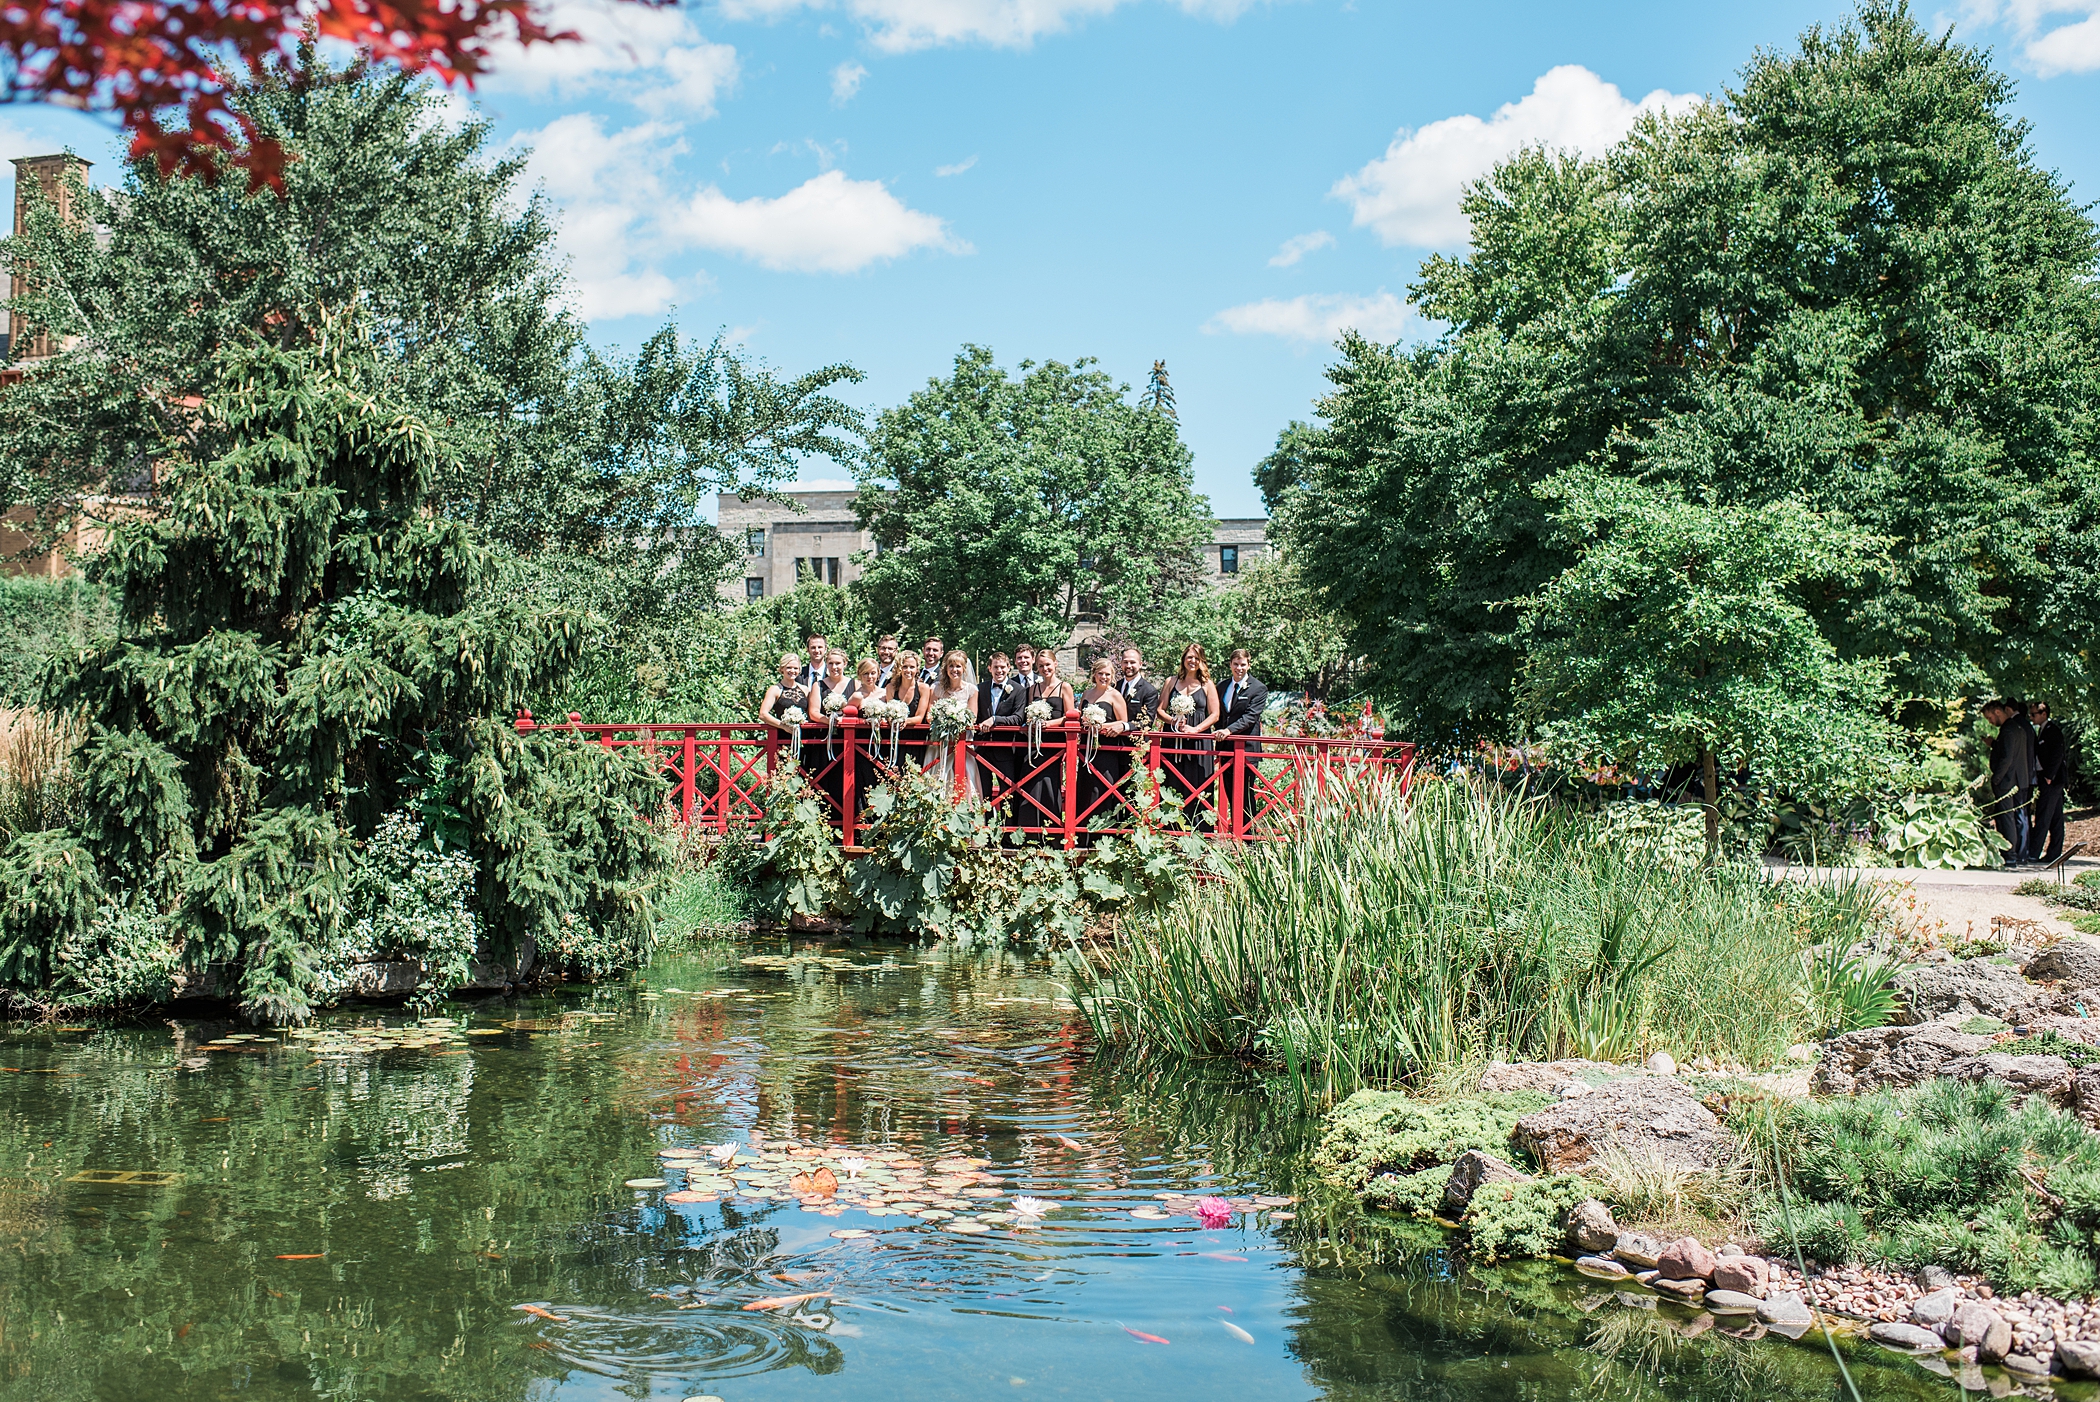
(1638, 1115)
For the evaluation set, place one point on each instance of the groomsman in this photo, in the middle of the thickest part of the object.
(1140, 694)
(1024, 667)
(999, 700)
(1241, 701)
(819, 652)
(886, 654)
(933, 652)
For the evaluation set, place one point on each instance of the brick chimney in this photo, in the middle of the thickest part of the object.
(47, 175)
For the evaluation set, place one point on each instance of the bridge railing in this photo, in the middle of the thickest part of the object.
(1061, 784)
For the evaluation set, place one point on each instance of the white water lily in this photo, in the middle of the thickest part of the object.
(723, 1154)
(853, 1164)
(1029, 1209)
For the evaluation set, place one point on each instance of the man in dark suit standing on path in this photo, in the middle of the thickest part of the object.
(2053, 758)
(1240, 704)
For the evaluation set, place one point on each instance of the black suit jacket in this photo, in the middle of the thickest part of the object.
(1243, 714)
(999, 703)
(2051, 752)
(1142, 699)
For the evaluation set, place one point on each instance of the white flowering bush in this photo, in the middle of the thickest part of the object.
(409, 900)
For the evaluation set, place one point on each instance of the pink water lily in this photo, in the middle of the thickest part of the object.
(1214, 1212)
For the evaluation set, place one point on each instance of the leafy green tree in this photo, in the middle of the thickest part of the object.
(304, 646)
(1847, 283)
(392, 207)
(1682, 635)
(1006, 508)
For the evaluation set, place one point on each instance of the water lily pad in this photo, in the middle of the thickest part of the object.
(1149, 1214)
(934, 1214)
(851, 1233)
(688, 1196)
(965, 1224)
(644, 1183)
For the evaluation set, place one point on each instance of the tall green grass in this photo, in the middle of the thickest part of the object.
(1393, 940)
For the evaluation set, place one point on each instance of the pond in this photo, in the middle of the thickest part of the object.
(494, 1205)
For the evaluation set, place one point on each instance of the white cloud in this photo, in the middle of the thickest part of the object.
(957, 169)
(1317, 317)
(606, 186)
(902, 25)
(827, 224)
(2053, 49)
(846, 80)
(1410, 194)
(1298, 246)
(651, 55)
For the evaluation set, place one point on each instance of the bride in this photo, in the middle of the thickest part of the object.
(957, 687)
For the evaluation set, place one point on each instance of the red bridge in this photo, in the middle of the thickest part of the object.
(1065, 787)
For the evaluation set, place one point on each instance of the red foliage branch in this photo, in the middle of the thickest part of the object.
(160, 65)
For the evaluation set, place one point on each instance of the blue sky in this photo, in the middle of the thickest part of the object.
(1221, 184)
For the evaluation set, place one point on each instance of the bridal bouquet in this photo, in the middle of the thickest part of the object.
(949, 717)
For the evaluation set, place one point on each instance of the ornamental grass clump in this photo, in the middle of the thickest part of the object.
(1393, 938)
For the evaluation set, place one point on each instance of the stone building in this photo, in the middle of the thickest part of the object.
(45, 175)
(781, 542)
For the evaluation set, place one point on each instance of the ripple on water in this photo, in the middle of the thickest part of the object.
(711, 1342)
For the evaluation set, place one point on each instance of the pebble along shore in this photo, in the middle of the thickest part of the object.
(1953, 1325)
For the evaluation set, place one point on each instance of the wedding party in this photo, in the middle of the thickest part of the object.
(999, 737)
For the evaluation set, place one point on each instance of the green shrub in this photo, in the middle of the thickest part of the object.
(1851, 992)
(1376, 1131)
(2077, 895)
(407, 900)
(1947, 1173)
(2046, 1043)
(1416, 1194)
(1507, 1221)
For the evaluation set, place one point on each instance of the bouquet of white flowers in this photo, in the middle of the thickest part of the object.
(1183, 705)
(1037, 715)
(793, 717)
(949, 717)
(834, 703)
(1094, 718)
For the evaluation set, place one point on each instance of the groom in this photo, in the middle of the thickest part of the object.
(1240, 704)
(999, 700)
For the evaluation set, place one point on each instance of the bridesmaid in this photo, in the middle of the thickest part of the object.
(1104, 777)
(1188, 760)
(785, 694)
(1047, 789)
(905, 686)
(866, 687)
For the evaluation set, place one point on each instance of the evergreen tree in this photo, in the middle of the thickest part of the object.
(392, 207)
(303, 646)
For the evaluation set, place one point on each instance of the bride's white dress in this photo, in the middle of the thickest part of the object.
(932, 763)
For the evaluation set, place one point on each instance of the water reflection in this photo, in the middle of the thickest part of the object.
(444, 1214)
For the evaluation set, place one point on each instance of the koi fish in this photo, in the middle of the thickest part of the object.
(1144, 1338)
(781, 1302)
(538, 1313)
(307, 1256)
(1238, 1333)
